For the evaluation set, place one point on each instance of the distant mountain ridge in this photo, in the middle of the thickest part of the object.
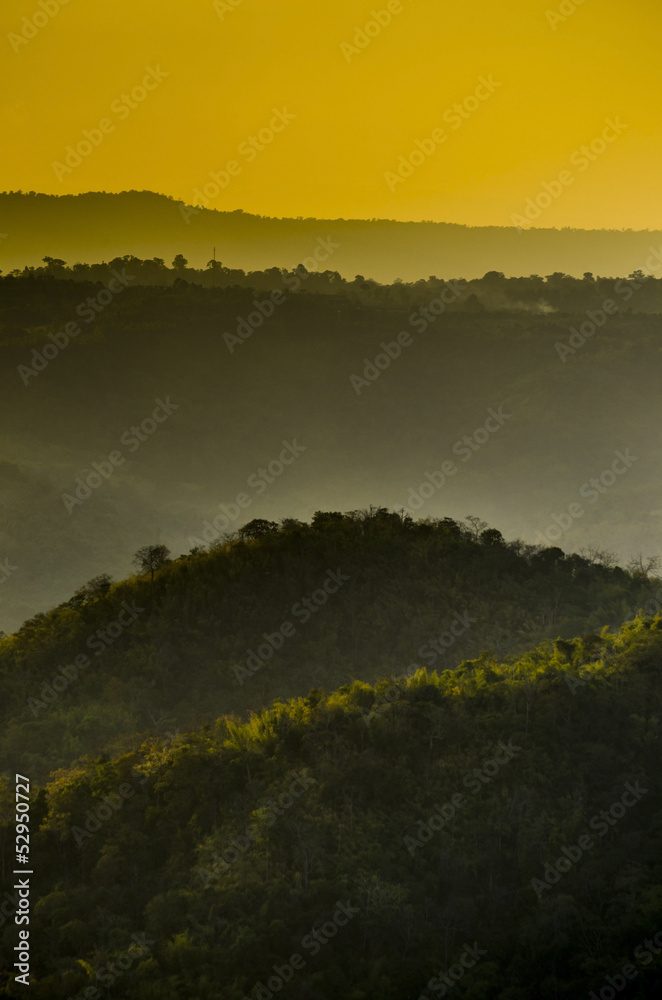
(96, 225)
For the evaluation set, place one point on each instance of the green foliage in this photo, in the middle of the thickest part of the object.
(233, 845)
(184, 658)
(494, 292)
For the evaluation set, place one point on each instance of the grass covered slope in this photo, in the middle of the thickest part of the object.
(278, 610)
(498, 826)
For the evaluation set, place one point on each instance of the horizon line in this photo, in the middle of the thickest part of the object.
(315, 218)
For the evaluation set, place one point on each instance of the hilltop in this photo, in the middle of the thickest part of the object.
(307, 375)
(278, 609)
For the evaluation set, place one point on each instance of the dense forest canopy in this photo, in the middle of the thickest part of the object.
(497, 826)
(640, 291)
(273, 610)
(379, 752)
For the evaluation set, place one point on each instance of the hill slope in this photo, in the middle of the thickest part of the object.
(278, 611)
(498, 827)
(301, 377)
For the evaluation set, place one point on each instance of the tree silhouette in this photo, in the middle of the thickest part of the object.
(643, 566)
(257, 528)
(54, 263)
(476, 525)
(150, 558)
(94, 589)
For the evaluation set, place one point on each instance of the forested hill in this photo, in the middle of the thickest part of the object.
(241, 385)
(277, 610)
(552, 293)
(496, 829)
(97, 224)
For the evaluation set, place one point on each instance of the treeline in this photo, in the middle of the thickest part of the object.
(96, 225)
(277, 609)
(493, 829)
(558, 292)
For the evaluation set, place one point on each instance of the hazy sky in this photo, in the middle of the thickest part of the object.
(360, 102)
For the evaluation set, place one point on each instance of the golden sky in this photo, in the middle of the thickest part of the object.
(354, 107)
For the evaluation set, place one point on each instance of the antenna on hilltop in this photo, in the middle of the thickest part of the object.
(212, 264)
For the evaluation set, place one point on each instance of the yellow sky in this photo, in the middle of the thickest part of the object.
(359, 106)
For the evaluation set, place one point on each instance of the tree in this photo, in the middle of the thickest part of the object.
(643, 566)
(325, 518)
(214, 267)
(150, 558)
(94, 589)
(476, 526)
(598, 557)
(180, 262)
(292, 524)
(257, 528)
(53, 263)
(490, 536)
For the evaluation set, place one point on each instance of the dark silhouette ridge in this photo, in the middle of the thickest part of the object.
(98, 225)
